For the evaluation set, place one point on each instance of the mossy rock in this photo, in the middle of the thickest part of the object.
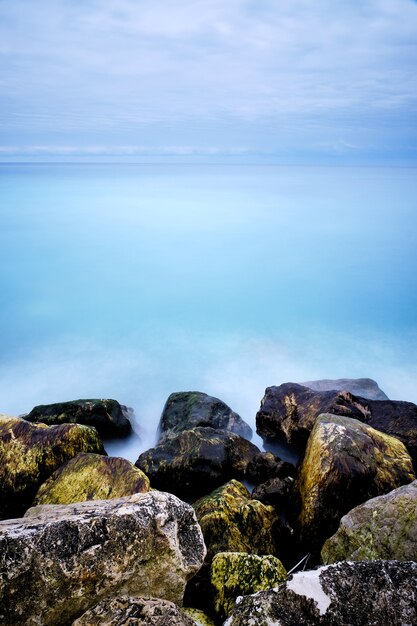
(92, 477)
(109, 417)
(199, 617)
(346, 463)
(189, 409)
(30, 453)
(194, 462)
(382, 528)
(235, 574)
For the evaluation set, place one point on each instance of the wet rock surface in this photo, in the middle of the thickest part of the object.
(196, 461)
(382, 528)
(109, 417)
(362, 594)
(345, 464)
(60, 560)
(30, 453)
(135, 612)
(92, 477)
(190, 409)
(363, 387)
(265, 466)
(275, 491)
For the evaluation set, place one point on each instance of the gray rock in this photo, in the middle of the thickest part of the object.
(135, 612)
(372, 593)
(364, 387)
(189, 409)
(382, 528)
(61, 560)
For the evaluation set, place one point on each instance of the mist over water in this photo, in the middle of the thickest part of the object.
(134, 281)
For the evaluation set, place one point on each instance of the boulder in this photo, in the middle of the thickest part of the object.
(235, 574)
(275, 491)
(266, 465)
(189, 409)
(196, 461)
(289, 412)
(108, 416)
(30, 453)
(199, 617)
(61, 560)
(92, 477)
(364, 593)
(345, 464)
(232, 522)
(124, 610)
(382, 528)
(363, 387)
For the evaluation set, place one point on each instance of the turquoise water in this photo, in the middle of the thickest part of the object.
(133, 281)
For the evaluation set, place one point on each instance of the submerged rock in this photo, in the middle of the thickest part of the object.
(61, 560)
(92, 477)
(235, 574)
(363, 387)
(365, 593)
(30, 453)
(124, 610)
(108, 416)
(189, 409)
(345, 464)
(290, 411)
(194, 462)
(382, 528)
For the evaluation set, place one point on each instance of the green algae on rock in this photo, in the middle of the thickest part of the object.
(194, 462)
(384, 527)
(92, 477)
(30, 453)
(346, 463)
(109, 417)
(199, 617)
(189, 409)
(236, 574)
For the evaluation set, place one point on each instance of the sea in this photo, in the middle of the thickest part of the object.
(132, 281)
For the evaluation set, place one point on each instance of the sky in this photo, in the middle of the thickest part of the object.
(290, 81)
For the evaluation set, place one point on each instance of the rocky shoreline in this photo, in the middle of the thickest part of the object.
(205, 528)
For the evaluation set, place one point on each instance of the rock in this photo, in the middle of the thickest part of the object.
(124, 610)
(365, 594)
(235, 574)
(232, 522)
(266, 465)
(61, 560)
(189, 409)
(108, 416)
(194, 462)
(290, 411)
(30, 453)
(346, 463)
(275, 491)
(92, 477)
(199, 618)
(382, 528)
(363, 387)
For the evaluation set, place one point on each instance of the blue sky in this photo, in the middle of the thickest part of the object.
(305, 81)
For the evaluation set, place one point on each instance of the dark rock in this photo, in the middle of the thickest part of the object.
(190, 409)
(290, 410)
(108, 416)
(92, 477)
(382, 528)
(346, 463)
(275, 491)
(194, 462)
(266, 465)
(61, 560)
(30, 453)
(345, 594)
(124, 610)
(363, 387)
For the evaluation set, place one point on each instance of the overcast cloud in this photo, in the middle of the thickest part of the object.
(209, 76)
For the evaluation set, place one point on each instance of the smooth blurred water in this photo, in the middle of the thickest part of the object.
(133, 281)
